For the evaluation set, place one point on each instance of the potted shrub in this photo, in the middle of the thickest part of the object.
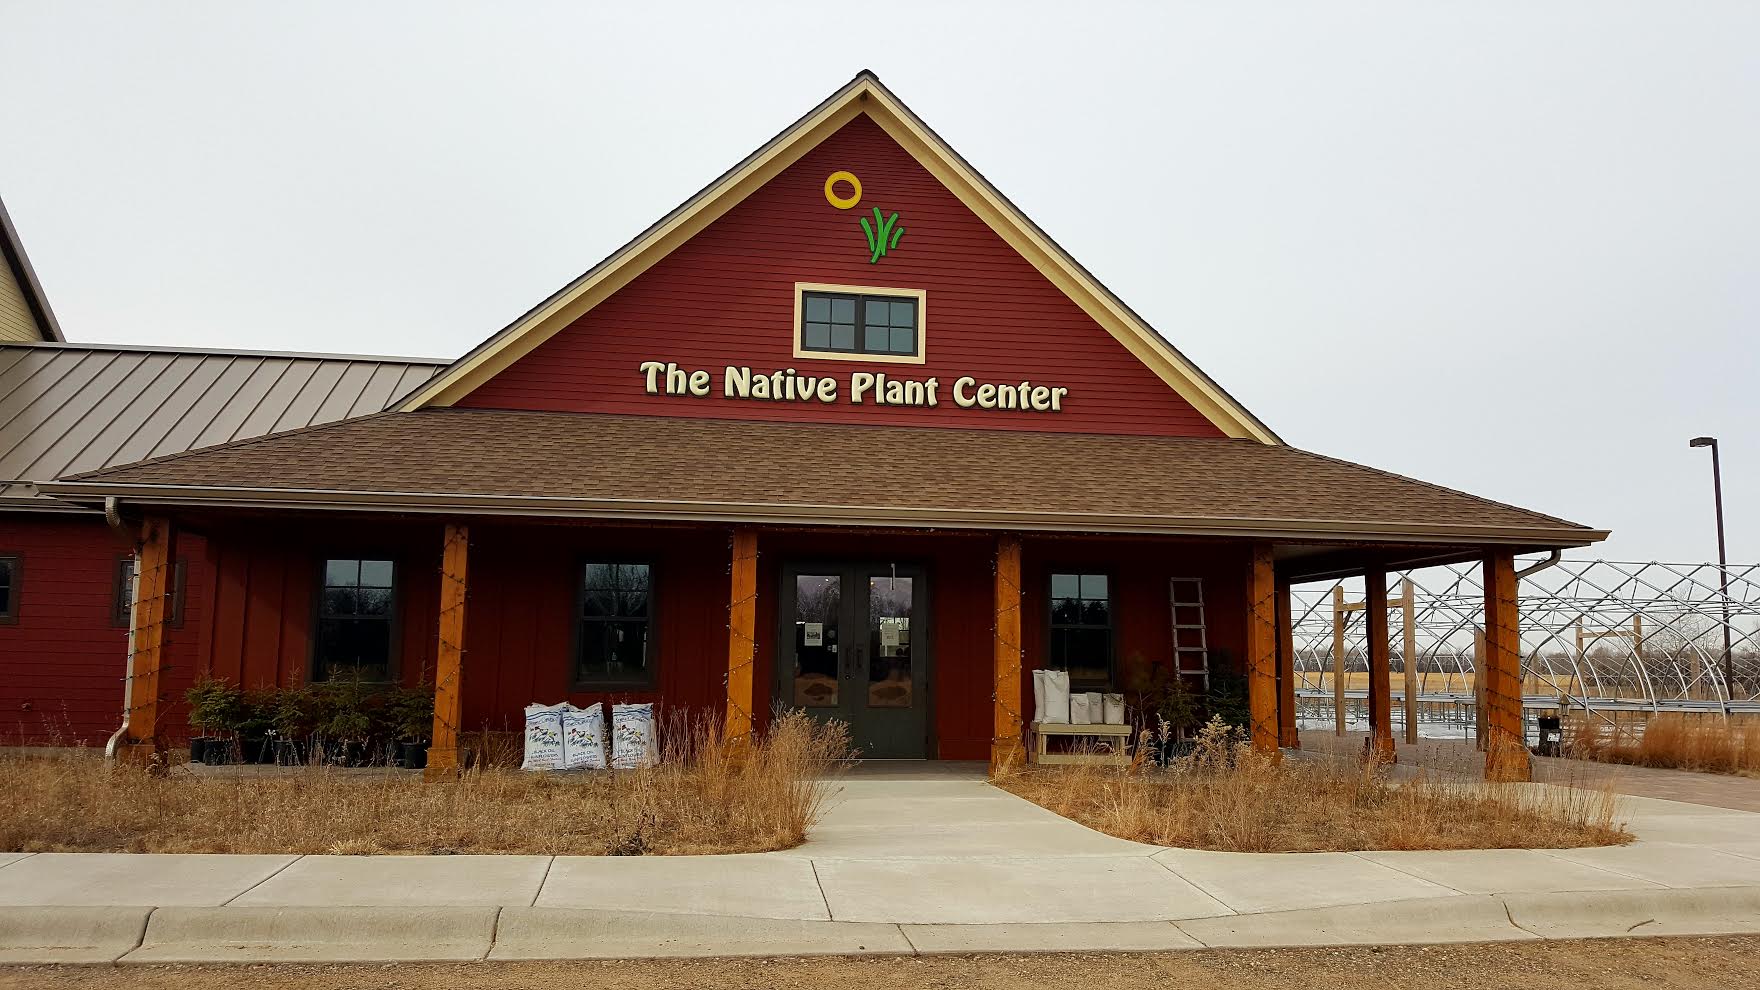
(412, 710)
(292, 724)
(256, 722)
(344, 722)
(215, 709)
(1164, 699)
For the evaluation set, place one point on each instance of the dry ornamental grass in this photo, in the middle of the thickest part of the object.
(1226, 796)
(1677, 742)
(700, 799)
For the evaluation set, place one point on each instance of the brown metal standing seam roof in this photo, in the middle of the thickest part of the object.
(77, 407)
(653, 467)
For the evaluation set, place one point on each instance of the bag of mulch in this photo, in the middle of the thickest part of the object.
(1056, 697)
(1078, 709)
(1113, 704)
(1038, 696)
(543, 737)
(583, 737)
(633, 741)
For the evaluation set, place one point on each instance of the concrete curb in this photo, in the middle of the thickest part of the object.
(574, 933)
(1429, 921)
(1614, 913)
(320, 934)
(32, 935)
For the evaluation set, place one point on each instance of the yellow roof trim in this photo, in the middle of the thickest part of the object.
(863, 95)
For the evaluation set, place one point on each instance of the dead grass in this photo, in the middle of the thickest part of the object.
(702, 798)
(1227, 797)
(1673, 741)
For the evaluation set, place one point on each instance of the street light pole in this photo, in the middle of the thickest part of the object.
(1729, 688)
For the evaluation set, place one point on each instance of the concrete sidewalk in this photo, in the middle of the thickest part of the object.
(908, 860)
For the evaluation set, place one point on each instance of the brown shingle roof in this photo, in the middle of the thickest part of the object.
(482, 460)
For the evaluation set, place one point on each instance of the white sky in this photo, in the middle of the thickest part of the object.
(1508, 247)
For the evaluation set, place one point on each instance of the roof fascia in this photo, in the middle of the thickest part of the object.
(20, 263)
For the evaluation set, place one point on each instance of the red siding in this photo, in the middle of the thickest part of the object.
(62, 664)
(727, 297)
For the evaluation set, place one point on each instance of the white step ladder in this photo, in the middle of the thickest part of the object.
(1191, 644)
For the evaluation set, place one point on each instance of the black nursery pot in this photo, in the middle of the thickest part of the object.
(198, 748)
(290, 752)
(412, 755)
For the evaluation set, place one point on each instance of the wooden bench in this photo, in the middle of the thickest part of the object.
(1109, 748)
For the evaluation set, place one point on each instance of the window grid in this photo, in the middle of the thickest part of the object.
(615, 642)
(355, 600)
(1081, 628)
(10, 568)
(859, 323)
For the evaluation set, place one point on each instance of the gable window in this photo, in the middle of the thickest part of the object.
(122, 594)
(1081, 629)
(616, 607)
(9, 575)
(856, 323)
(354, 619)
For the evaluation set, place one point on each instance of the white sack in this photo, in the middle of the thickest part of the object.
(543, 737)
(1056, 697)
(1114, 709)
(583, 737)
(633, 740)
(1078, 710)
(1096, 708)
(1038, 696)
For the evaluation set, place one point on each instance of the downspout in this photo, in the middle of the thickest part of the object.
(126, 533)
(1540, 565)
(1535, 568)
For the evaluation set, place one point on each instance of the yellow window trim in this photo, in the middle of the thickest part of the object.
(922, 298)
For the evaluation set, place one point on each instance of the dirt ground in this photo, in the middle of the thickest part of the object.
(1655, 964)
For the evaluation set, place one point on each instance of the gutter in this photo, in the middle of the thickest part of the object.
(125, 532)
(810, 514)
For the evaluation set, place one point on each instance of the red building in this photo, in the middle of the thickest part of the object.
(846, 431)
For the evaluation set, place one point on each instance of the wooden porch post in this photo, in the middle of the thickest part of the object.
(742, 636)
(154, 555)
(1380, 674)
(1506, 752)
(1005, 660)
(443, 762)
(1288, 735)
(1262, 647)
(1409, 646)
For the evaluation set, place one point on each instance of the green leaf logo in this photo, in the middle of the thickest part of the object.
(882, 236)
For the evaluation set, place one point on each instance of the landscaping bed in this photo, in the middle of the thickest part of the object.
(1224, 796)
(703, 797)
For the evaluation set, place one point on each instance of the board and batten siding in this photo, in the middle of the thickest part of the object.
(17, 322)
(727, 297)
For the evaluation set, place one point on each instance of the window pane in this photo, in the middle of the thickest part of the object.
(904, 313)
(1065, 611)
(339, 601)
(1065, 586)
(843, 309)
(5, 587)
(375, 601)
(632, 577)
(874, 312)
(874, 339)
(1094, 612)
(600, 576)
(904, 340)
(342, 572)
(633, 603)
(843, 338)
(817, 336)
(1093, 586)
(599, 602)
(376, 573)
(818, 308)
(629, 649)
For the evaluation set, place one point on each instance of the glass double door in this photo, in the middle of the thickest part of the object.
(854, 648)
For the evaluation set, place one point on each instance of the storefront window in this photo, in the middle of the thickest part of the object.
(616, 606)
(1081, 629)
(354, 620)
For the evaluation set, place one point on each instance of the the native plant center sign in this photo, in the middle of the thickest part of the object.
(861, 388)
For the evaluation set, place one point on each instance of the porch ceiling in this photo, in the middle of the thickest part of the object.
(506, 462)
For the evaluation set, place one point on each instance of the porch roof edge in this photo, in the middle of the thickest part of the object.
(784, 513)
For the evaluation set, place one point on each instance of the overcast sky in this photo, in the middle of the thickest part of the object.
(1512, 248)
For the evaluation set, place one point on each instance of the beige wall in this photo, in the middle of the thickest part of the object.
(16, 322)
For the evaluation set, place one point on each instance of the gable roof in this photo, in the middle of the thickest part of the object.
(16, 274)
(862, 95)
(79, 407)
(515, 462)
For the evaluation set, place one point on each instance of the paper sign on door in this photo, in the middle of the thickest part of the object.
(815, 634)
